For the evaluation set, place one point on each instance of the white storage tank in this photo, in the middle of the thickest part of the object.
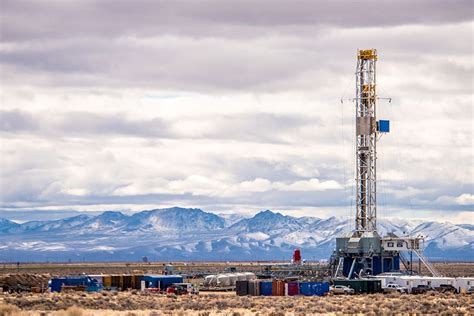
(241, 276)
(210, 280)
(223, 280)
(233, 278)
(250, 276)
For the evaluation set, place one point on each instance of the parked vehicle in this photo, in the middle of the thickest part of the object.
(420, 289)
(182, 289)
(18, 288)
(446, 288)
(341, 289)
(470, 290)
(392, 287)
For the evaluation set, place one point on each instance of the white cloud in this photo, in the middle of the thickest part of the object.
(465, 199)
(309, 185)
(257, 185)
(226, 110)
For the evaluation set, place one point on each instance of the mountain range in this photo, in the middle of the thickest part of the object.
(175, 234)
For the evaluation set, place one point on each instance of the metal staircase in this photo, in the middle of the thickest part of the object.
(405, 262)
(427, 264)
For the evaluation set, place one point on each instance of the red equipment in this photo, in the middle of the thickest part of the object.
(297, 256)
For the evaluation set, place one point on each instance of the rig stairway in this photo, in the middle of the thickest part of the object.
(427, 264)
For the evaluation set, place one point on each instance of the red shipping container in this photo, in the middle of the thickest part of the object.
(278, 288)
(293, 288)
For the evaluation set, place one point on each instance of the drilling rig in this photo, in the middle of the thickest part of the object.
(364, 252)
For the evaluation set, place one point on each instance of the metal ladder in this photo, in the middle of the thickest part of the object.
(427, 263)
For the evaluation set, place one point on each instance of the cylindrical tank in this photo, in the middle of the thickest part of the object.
(241, 276)
(250, 276)
(223, 280)
(297, 256)
(210, 280)
(233, 278)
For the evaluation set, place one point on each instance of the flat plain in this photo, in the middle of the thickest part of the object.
(214, 303)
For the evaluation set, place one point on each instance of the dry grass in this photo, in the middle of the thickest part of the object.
(75, 304)
(55, 269)
(8, 309)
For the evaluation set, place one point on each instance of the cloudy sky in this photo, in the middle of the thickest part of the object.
(233, 106)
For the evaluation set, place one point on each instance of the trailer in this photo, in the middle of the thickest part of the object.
(462, 284)
(411, 281)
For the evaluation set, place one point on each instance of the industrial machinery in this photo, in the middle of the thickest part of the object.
(297, 256)
(364, 252)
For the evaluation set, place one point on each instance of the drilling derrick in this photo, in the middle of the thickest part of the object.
(364, 252)
(366, 132)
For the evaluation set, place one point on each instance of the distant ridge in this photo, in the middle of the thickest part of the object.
(193, 234)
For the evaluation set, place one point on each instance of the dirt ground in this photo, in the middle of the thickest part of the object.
(137, 303)
(58, 269)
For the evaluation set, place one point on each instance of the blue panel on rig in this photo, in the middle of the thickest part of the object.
(383, 126)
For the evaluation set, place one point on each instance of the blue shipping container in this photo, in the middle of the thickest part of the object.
(266, 288)
(161, 281)
(56, 284)
(90, 284)
(314, 288)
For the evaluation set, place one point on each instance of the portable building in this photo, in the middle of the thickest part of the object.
(408, 281)
(463, 283)
(413, 281)
(435, 282)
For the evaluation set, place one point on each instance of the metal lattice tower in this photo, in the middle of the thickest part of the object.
(364, 252)
(366, 134)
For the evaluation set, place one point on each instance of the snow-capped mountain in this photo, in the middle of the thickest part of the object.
(192, 234)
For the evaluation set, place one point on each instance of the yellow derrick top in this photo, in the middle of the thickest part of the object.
(367, 54)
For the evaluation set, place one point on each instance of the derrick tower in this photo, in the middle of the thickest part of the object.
(366, 140)
(364, 252)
